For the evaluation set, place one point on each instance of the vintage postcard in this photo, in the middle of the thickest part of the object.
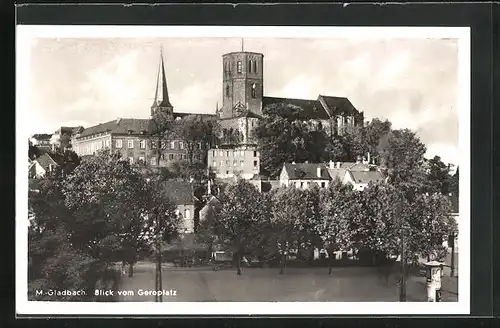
(242, 170)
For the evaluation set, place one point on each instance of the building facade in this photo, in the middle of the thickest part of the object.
(305, 175)
(230, 162)
(137, 140)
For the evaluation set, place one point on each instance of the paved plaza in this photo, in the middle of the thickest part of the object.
(265, 285)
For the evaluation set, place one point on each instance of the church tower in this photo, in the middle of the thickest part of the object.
(242, 83)
(161, 101)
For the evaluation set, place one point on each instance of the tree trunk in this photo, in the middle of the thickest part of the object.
(330, 261)
(283, 260)
(238, 263)
(131, 270)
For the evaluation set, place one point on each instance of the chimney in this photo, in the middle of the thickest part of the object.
(319, 171)
(338, 165)
(331, 165)
(368, 158)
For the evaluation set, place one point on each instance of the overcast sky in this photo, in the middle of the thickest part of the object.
(412, 82)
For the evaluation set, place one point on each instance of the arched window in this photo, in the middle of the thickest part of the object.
(249, 66)
(254, 90)
(239, 66)
(227, 91)
(255, 67)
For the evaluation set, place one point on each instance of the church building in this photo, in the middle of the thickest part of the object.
(243, 102)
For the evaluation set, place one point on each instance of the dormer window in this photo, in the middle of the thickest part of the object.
(239, 66)
(129, 131)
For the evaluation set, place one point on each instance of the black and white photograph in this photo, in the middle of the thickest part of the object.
(242, 170)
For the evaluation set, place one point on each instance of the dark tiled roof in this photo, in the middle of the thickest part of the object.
(121, 125)
(337, 105)
(180, 192)
(366, 176)
(306, 171)
(312, 108)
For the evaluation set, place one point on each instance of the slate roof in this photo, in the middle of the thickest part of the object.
(312, 108)
(366, 176)
(180, 192)
(306, 171)
(337, 105)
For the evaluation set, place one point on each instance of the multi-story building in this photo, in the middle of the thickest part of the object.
(235, 161)
(132, 137)
(61, 138)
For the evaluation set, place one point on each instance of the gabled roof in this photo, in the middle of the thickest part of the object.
(45, 160)
(366, 176)
(312, 108)
(306, 171)
(180, 192)
(337, 105)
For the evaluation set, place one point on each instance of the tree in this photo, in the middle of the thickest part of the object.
(438, 175)
(243, 212)
(429, 223)
(53, 262)
(108, 202)
(200, 133)
(373, 132)
(454, 183)
(283, 136)
(161, 129)
(292, 212)
(333, 228)
(33, 150)
(402, 155)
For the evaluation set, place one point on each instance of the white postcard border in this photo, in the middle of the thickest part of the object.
(26, 33)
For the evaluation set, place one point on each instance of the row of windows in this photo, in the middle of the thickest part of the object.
(304, 185)
(235, 163)
(142, 144)
(254, 91)
(152, 160)
(252, 66)
(228, 153)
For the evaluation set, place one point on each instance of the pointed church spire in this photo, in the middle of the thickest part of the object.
(161, 92)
